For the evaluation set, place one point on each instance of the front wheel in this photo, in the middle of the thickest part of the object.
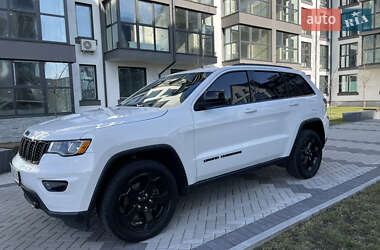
(139, 201)
(306, 156)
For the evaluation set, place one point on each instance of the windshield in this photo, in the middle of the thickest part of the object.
(167, 92)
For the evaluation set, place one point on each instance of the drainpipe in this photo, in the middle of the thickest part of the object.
(172, 41)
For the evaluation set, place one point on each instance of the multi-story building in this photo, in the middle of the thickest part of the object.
(64, 56)
(355, 67)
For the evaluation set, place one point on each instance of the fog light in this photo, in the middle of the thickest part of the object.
(55, 186)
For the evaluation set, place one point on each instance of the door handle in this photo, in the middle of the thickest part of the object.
(250, 110)
(294, 105)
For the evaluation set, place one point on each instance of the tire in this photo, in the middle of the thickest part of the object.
(306, 156)
(139, 201)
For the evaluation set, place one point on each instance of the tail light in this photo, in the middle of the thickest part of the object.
(325, 101)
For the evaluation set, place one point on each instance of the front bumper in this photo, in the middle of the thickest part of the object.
(76, 170)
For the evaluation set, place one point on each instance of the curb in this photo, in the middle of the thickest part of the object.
(265, 236)
(6, 156)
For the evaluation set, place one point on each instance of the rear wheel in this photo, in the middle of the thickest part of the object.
(306, 156)
(139, 201)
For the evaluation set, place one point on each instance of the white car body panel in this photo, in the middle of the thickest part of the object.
(261, 132)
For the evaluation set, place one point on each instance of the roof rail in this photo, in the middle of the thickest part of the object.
(258, 64)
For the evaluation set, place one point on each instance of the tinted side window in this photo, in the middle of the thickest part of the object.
(235, 87)
(267, 85)
(297, 86)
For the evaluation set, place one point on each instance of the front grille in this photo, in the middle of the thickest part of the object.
(31, 150)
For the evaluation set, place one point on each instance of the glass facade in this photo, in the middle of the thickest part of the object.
(34, 88)
(194, 32)
(348, 54)
(324, 57)
(287, 11)
(247, 42)
(254, 7)
(88, 82)
(287, 47)
(324, 84)
(84, 20)
(143, 25)
(131, 80)
(306, 54)
(348, 2)
(348, 84)
(374, 5)
(22, 20)
(371, 49)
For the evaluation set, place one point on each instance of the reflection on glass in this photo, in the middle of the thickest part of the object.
(162, 38)
(28, 5)
(173, 90)
(29, 101)
(6, 102)
(128, 35)
(181, 42)
(87, 82)
(127, 11)
(57, 74)
(131, 80)
(27, 73)
(24, 26)
(146, 37)
(59, 101)
(54, 7)
(194, 43)
(145, 13)
(84, 21)
(3, 24)
(161, 13)
(180, 18)
(53, 28)
(5, 74)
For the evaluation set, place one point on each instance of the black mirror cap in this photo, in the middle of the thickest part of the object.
(210, 99)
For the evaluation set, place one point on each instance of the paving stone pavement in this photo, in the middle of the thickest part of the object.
(217, 215)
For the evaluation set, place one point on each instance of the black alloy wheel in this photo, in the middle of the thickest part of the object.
(139, 201)
(306, 156)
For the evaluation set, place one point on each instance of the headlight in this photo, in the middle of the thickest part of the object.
(69, 148)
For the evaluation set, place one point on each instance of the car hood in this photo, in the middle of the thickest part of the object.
(75, 126)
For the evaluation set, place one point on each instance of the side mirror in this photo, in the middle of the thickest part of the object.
(211, 99)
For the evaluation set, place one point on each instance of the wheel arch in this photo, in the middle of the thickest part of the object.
(314, 124)
(162, 153)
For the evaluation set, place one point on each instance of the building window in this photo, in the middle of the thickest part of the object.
(348, 33)
(324, 57)
(287, 47)
(375, 8)
(324, 3)
(348, 2)
(324, 35)
(324, 84)
(287, 11)
(230, 6)
(254, 7)
(348, 85)
(371, 49)
(34, 88)
(84, 20)
(348, 54)
(207, 2)
(23, 20)
(254, 43)
(306, 54)
(143, 25)
(194, 32)
(131, 80)
(231, 43)
(88, 82)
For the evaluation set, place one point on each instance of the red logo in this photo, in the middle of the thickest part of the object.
(321, 19)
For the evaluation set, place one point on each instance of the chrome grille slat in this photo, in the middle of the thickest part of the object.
(31, 150)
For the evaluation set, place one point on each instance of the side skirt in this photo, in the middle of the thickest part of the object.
(282, 162)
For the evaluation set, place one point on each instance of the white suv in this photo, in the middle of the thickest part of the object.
(132, 161)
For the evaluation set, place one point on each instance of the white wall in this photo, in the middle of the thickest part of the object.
(86, 58)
